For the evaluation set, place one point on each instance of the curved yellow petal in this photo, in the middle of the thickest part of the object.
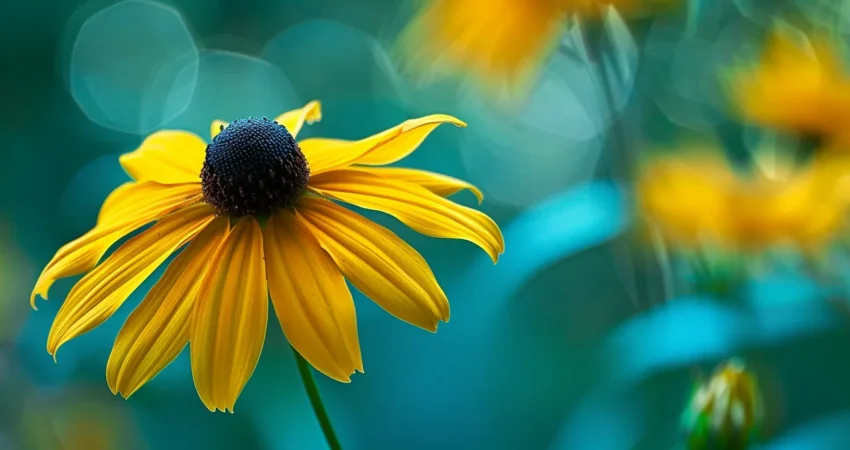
(168, 157)
(128, 209)
(416, 207)
(100, 293)
(116, 201)
(442, 185)
(158, 329)
(230, 317)
(385, 147)
(294, 120)
(378, 263)
(217, 126)
(310, 297)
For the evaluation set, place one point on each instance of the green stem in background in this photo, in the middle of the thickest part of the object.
(618, 144)
(306, 374)
(653, 280)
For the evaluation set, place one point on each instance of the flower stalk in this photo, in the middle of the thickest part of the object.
(312, 390)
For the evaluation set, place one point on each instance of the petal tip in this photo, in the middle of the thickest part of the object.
(40, 290)
(477, 193)
(445, 118)
(343, 376)
(494, 255)
(314, 112)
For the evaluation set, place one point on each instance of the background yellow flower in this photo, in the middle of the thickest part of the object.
(502, 43)
(697, 199)
(798, 86)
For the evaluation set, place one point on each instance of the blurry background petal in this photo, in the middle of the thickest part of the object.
(125, 61)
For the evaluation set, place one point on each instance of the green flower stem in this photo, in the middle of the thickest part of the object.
(306, 373)
(644, 275)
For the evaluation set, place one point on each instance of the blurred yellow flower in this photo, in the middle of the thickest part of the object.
(695, 200)
(807, 209)
(258, 214)
(501, 42)
(686, 196)
(796, 87)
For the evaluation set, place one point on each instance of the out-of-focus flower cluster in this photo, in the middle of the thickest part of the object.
(697, 198)
(792, 193)
(501, 43)
(800, 86)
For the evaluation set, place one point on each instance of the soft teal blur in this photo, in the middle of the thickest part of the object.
(567, 343)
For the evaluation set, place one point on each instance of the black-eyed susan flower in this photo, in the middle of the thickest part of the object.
(256, 213)
(726, 411)
(500, 42)
(797, 86)
(697, 200)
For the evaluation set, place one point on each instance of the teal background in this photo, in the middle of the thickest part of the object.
(572, 341)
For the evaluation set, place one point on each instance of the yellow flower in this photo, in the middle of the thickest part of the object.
(807, 209)
(501, 42)
(696, 200)
(797, 88)
(258, 214)
(686, 196)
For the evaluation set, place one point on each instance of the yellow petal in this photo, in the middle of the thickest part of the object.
(378, 263)
(156, 331)
(383, 148)
(216, 127)
(442, 185)
(100, 293)
(311, 299)
(231, 312)
(125, 210)
(167, 157)
(416, 207)
(294, 120)
(116, 202)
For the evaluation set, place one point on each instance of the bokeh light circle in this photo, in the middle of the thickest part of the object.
(126, 58)
(551, 142)
(228, 86)
(328, 59)
(688, 70)
(88, 188)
